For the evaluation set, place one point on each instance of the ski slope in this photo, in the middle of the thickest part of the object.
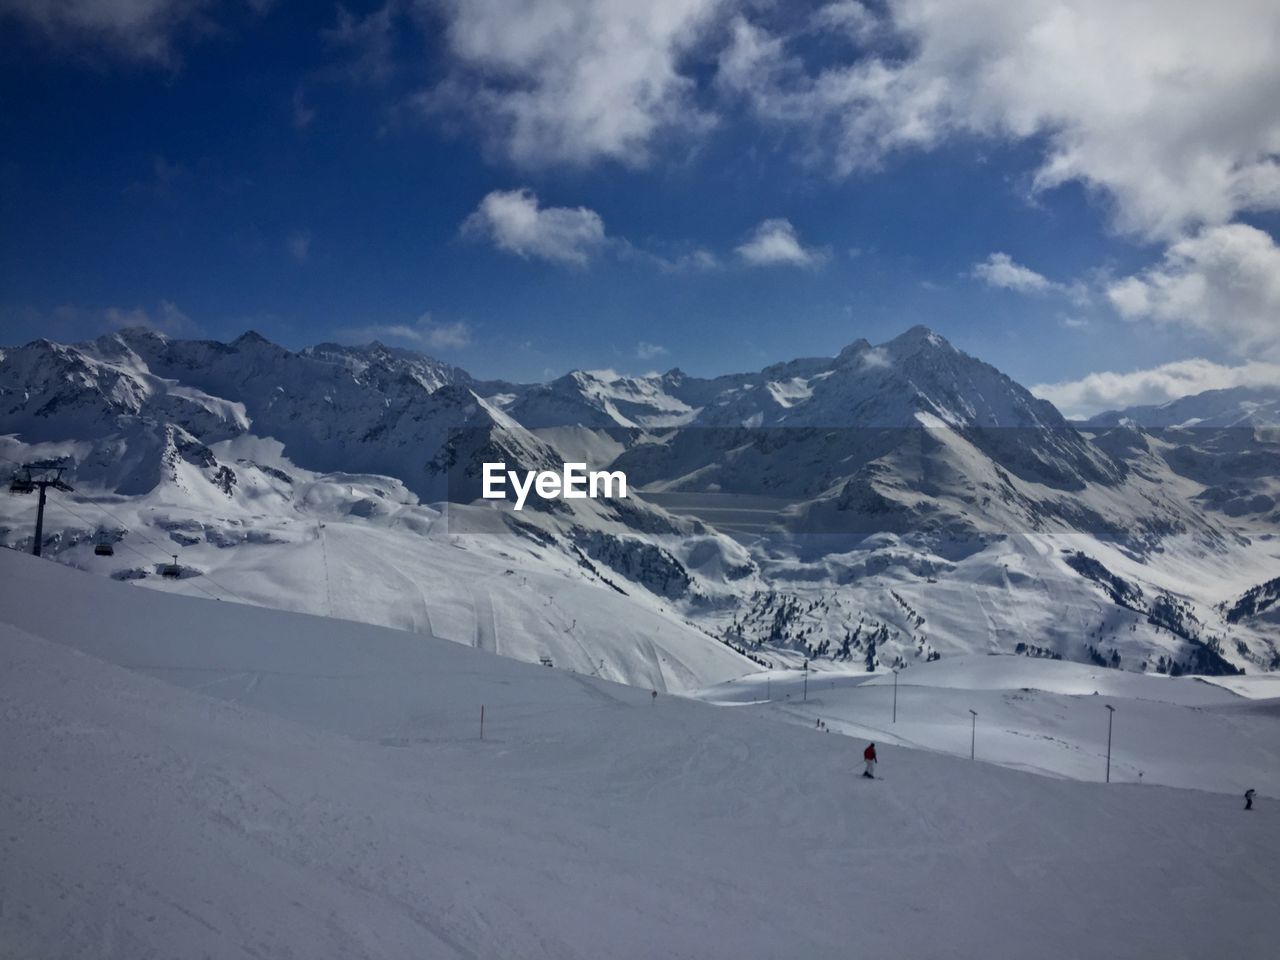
(190, 778)
(1046, 716)
(360, 547)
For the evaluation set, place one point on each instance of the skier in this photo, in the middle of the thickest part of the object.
(1248, 799)
(869, 755)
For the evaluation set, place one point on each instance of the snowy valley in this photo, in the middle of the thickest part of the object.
(886, 507)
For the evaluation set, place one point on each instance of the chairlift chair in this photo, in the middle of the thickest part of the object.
(171, 570)
(102, 547)
(23, 484)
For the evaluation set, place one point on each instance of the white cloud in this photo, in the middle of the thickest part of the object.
(70, 322)
(447, 336)
(691, 261)
(513, 221)
(775, 243)
(166, 318)
(1112, 391)
(696, 261)
(145, 30)
(299, 245)
(1223, 281)
(650, 351)
(1000, 270)
(304, 114)
(572, 81)
(370, 41)
(1166, 106)
(425, 333)
(848, 17)
(877, 358)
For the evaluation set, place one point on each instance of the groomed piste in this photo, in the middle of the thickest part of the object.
(190, 778)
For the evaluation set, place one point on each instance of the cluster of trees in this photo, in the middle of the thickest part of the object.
(1032, 650)
(1254, 601)
(1205, 659)
(1100, 659)
(913, 617)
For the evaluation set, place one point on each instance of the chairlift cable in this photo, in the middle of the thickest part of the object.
(130, 546)
(139, 534)
(164, 550)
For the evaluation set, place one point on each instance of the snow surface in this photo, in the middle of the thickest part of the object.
(361, 547)
(190, 778)
(1046, 716)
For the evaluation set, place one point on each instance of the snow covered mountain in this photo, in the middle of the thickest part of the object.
(888, 505)
(1234, 407)
(911, 435)
(360, 410)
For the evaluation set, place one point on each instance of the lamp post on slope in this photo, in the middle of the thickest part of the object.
(973, 733)
(895, 696)
(1111, 713)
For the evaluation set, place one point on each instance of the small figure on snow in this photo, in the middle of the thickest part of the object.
(869, 756)
(1248, 799)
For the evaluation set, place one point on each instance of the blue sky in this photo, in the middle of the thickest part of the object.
(526, 186)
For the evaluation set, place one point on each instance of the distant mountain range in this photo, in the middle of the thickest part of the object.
(1243, 407)
(894, 502)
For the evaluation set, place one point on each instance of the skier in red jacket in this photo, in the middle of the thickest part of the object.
(869, 755)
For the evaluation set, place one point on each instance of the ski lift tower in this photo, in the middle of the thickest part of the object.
(43, 477)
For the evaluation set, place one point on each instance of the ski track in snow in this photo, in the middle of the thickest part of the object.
(486, 629)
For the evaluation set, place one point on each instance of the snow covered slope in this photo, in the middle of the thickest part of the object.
(1233, 407)
(362, 548)
(891, 504)
(1041, 715)
(269, 784)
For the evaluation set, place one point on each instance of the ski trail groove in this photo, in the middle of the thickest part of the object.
(486, 629)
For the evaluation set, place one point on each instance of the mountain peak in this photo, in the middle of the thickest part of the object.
(250, 338)
(855, 349)
(919, 336)
(911, 341)
(140, 332)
